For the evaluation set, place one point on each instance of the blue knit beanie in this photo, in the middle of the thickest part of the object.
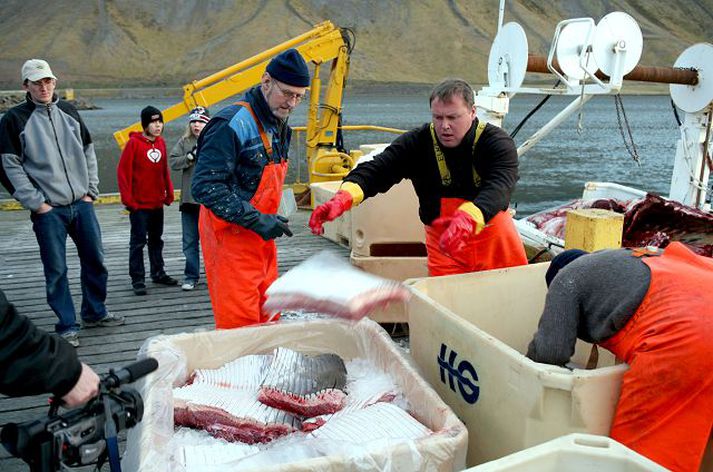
(561, 260)
(290, 68)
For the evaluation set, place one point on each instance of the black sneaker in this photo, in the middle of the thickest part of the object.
(165, 279)
(109, 320)
(139, 288)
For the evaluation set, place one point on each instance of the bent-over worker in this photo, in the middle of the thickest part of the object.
(463, 171)
(653, 311)
(238, 177)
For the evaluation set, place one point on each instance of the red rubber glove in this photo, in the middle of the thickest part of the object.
(330, 210)
(466, 222)
(460, 227)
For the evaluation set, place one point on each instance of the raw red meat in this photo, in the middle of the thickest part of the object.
(304, 385)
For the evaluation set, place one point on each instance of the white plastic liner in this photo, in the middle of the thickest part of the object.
(149, 446)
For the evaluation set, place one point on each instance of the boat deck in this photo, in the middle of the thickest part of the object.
(165, 310)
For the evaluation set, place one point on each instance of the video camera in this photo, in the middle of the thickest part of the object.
(81, 436)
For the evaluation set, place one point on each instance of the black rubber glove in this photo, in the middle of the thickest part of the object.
(271, 227)
(191, 155)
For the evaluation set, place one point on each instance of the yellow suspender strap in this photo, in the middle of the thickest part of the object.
(478, 131)
(261, 130)
(441, 159)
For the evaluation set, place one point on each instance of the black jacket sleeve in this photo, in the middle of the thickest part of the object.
(33, 362)
(499, 178)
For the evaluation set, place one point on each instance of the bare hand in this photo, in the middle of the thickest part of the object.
(86, 388)
(44, 208)
(87, 198)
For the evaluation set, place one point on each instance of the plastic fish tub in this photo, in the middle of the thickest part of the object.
(179, 355)
(574, 452)
(468, 335)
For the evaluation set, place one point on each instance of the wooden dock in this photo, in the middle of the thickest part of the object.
(165, 310)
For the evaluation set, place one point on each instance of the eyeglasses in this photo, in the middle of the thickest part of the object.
(289, 95)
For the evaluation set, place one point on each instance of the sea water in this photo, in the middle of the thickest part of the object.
(552, 172)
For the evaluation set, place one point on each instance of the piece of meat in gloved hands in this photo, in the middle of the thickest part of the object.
(328, 284)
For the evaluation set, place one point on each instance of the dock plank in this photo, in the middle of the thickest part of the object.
(165, 310)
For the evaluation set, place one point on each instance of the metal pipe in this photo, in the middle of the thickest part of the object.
(501, 14)
(664, 75)
(701, 192)
(575, 105)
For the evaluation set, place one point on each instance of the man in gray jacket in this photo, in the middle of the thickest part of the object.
(49, 166)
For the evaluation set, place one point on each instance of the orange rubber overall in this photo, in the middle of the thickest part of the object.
(665, 410)
(498, 245)
(239, 264)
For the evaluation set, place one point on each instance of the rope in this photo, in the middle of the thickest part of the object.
(675, 113)
(628, 144)
(580, 119)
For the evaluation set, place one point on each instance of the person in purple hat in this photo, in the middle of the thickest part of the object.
(238, 179)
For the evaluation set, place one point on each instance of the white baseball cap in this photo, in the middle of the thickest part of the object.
(36, 69)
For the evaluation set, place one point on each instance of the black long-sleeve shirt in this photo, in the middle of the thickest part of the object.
(411, 156)
(31, 361)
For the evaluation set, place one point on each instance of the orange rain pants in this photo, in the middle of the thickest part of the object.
(665, 410)
(239, 264)
(498, 245)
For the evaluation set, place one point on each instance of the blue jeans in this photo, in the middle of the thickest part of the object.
(79, 221)
(189, 222)
(146, 223)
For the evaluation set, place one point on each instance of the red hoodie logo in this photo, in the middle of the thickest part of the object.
(154, 155)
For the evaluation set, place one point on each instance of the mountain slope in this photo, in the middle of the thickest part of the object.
(152, 42)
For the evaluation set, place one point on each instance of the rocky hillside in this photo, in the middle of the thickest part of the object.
(129, 43)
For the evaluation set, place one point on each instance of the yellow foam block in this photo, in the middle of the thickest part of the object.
(593, 229)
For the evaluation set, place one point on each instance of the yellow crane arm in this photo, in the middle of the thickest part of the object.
(323, 43)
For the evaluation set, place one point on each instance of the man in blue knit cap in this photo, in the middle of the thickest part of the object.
(241, 166)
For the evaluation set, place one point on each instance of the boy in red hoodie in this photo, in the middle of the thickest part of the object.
(145, 187)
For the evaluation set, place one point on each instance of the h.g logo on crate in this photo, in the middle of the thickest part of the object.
(462, 374)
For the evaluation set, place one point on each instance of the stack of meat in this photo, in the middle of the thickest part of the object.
(259, 398)
(651, 221)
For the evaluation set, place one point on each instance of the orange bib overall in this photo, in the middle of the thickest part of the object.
(239, 264)
(665, 410)
(498, 245)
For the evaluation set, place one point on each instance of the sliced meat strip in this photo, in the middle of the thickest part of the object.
(304, 385)
(231, 414)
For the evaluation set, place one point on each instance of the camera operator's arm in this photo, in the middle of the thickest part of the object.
(86, 388)
(33, 362)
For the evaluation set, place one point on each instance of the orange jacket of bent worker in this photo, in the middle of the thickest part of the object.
(660, 323)
(240, 169)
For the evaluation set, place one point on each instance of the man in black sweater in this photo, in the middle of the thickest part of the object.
(33, 362)
(463, 171)
(652, 309)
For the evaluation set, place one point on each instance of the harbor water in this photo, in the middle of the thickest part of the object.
(552, 172)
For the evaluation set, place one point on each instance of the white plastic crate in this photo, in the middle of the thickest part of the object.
(573, 453)
(468, 335)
